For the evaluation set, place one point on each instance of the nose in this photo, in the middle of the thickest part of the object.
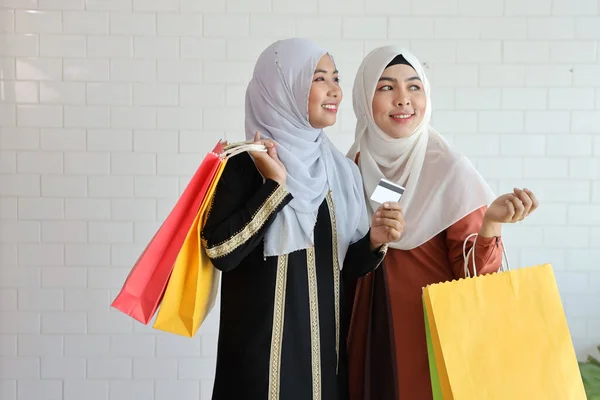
(402, 99)
(334, 91)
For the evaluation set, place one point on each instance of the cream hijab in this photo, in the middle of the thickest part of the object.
(442, 186)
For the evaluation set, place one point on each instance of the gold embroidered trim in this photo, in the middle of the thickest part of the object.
(382, 253)
(336, 277)
(315, 336)
(277, 334)
(258, 220)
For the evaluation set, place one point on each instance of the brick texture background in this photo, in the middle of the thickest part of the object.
(107, 106)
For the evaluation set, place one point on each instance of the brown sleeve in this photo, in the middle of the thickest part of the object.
(488, 251)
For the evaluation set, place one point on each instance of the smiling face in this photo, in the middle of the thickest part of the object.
(399, 101)
(325, 94)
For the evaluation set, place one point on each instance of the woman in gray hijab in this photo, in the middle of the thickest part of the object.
(285, 226)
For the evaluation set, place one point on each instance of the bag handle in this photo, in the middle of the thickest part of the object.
(228, 146)
(237, 148)
(503, 267)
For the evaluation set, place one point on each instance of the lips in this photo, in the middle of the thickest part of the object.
(402, 118)
(331, 107)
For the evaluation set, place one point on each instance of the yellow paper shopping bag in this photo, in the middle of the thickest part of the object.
(194, 282)
(502, 336)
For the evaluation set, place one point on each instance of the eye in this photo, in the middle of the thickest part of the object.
(385, 88)
(337, 79)
(415, 88)
(319, 79)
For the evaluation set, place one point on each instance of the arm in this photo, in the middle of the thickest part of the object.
(368, 253)
(361, 258)
(243, 208)
(488, 250)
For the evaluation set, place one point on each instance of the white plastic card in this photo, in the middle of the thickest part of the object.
(387, 191)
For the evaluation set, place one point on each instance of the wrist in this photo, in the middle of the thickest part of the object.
(490, 228)
(374, 245)
(280, 181)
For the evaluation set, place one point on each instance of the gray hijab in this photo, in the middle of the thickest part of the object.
(277, 107)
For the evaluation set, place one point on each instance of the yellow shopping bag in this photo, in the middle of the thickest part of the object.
(194, 282)
(502, 336)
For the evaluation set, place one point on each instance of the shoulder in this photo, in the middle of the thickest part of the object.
(241, 160)
(474, 217)
(444, 160)
(243, 164)
(442, 155)
(240, 172)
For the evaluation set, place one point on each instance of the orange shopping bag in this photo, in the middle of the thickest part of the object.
(193, 285)
(144, 287)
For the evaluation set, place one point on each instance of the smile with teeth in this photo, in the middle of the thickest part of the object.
(330, 106)
(401, 116)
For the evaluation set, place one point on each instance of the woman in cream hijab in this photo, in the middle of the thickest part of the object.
(445, 205)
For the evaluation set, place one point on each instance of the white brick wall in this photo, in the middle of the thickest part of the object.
(107, 106)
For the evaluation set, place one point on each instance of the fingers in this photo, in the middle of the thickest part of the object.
(268, 143)
(393, 234)
(257, 139)
(534, 201)
(389, 218)
(530, 202)
(519, 208)
(391, 214)
(256, 154)
(265, 142)
(511, 209)
(271, 150)
(389, 222)
(384, 234)
(527, 202)
(390, 205)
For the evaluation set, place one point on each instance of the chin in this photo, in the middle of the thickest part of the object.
(322, 123)
(399, 133)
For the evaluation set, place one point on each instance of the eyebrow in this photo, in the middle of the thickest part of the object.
(389, 79)
(323, 71)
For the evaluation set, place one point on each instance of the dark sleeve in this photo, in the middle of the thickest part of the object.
(360, 259)
(243, 208)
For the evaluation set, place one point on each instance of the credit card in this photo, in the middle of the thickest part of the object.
(387, 191)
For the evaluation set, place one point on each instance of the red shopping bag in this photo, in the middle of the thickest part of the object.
(146, 283)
